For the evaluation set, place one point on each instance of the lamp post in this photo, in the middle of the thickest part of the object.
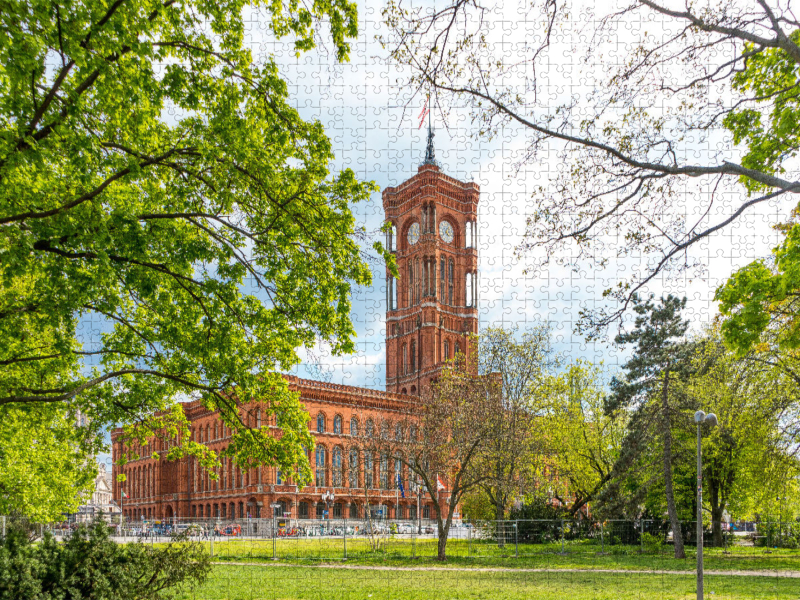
(700, 417)
(275, 506)
(328, 498)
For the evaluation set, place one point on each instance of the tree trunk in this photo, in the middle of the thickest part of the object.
(717, 508)
(677, 534)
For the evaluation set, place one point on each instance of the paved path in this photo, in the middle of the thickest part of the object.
(735, 573)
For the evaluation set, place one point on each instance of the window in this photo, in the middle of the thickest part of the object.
(216, 430)
(410, 283)
(442, 294)
(400, 512)
(412, 512)
(337, 467)
(369, 429)
(241, 510)
(232, 510)
(320, 423)
(413, 359)
(412, 433)
(337, 424)
(320, 463)
(337, 510)
(398, 432)
(223, 509)
(352, 471)
(468, 289)
(405, 361)
(320, 510)
(302, 509)
(450, 269)
(398, 471)
(458, 349)
(278, 477)
(353, 511)
(201, 511)
(384, 430)
(426, 512)
(446, 350)
(384, 473)
(368, 470)
(353, 426)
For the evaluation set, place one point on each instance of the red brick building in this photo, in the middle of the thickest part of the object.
(431, 310)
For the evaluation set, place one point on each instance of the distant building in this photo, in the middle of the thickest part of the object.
(100, 500)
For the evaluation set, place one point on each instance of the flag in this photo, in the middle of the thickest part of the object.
(400, 486)
(439, 484)
(124, 495)
(423, 114)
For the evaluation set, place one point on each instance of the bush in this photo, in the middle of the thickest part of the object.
(651, 544)
(90, 566)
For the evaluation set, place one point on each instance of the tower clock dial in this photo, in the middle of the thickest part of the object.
(413, 233)
(446, 232)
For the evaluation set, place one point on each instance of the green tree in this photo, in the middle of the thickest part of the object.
(585, 441)
(170, 225)
(523, 366)
(660, 354)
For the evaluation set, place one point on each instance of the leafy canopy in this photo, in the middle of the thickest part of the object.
(169, 224)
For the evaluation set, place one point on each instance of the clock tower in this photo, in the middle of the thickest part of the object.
(432, 307)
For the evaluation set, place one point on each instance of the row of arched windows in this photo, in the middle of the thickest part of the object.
(140, 482)
(354, 429)
(343, 472)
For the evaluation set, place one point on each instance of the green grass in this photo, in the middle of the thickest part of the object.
(461, 553)
(232, 582)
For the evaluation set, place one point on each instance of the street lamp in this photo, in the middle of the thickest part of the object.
(700, 417)
(328, 498)
(275, 506)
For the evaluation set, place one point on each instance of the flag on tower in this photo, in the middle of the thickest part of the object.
(124, 495)
(423, 114)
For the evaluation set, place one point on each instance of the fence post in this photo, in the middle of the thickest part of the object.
(413, 542)
(641, 536)
(562, 536)
(516, 539)
(602, 538)
(469, 541)
(344, 534)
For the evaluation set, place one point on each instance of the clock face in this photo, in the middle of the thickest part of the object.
(446, 231)
(413, 233)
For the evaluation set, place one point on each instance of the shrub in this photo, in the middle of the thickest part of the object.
(91, 566)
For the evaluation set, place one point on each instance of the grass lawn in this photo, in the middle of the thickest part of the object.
(233, 582)
(463, 553)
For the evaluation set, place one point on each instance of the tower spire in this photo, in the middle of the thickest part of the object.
(430, 155)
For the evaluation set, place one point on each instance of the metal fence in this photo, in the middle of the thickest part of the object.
(340, 539)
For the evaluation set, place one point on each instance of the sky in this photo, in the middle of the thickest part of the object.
(365, 108)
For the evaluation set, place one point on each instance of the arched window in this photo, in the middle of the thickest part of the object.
(320, 423)
(258, 418)
(384, 430)
(412, 433)
(384, 474)
(413, 358)
(450, 269)
(353, 426)
(458, 349)
(468, 289)
(352, 471)
(369, 429)
(337, 424)
(442, 289)
(368, 470)
(216, 430)
(410, 283)
(446, 350)
(405, 360)
(432, 284)
(417, 281)
(337, 467)
(320, 463)
(398, 432)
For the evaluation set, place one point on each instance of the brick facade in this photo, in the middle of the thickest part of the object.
(429, 316)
